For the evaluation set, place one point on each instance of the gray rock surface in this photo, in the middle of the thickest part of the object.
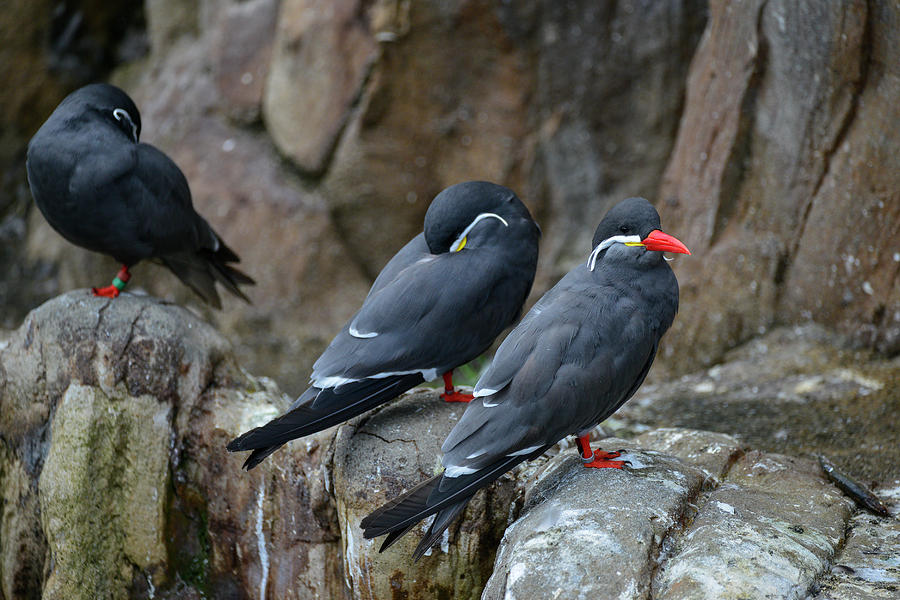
(769, 530)
(869, 565)
(798, 391)
(766, 526)
(589, 532)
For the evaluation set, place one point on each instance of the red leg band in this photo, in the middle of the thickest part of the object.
(123, 274)
(448, 382)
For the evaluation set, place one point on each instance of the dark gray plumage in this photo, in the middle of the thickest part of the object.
(103, 190)
(439, 303)
(572, 361)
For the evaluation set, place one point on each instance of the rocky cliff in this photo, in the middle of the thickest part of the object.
(314, 134)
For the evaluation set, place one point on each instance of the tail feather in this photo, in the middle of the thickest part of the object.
(393, 537)
(201, 270)
(445, 495)
(442, 521)
(259, 455)
(325, 410)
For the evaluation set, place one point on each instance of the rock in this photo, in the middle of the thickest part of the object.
(867, 568)
(242, 50)
(380, 456)
(609, 90)
(324, 51)
(712, 453)
(774, 159)
(445, 102)
(589, 532)
(767, 527)
(797, 390)
(114, 415)
(102, 491)
(770, 530)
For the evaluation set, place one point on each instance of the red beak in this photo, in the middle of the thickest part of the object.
(663, 242)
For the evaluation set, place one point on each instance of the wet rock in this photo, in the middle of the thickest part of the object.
(798, 391)
(114, 415)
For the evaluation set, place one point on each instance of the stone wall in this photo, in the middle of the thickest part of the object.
(315, 132)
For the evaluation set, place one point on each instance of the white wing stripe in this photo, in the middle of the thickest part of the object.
(336, 380)
(355, 333)
(524, 451)
(484, 392)
(454, 471)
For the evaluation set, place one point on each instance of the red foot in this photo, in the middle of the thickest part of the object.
(602, 460)
(450, 394)
(453, 396)
(109, 291)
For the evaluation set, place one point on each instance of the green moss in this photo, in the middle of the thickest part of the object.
(188, 540)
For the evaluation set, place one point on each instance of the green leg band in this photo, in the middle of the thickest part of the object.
(119, 284)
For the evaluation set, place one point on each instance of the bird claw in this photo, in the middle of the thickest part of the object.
(456, 397)
(605, 464)
(109, 291)
(602, 460)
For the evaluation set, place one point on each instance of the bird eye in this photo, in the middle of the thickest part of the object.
(624, 228)
(121, 115)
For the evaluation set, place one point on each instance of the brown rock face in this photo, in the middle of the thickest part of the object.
(314, 134)
(778, 181)
(323, 53)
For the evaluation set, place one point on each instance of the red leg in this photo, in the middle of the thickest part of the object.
(450, 394)
(597, 459)
(118, 284)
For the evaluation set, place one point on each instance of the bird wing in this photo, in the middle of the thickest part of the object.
(171, 224)
(143, 202)
(436, 313)
(415, 249)
(569, 366)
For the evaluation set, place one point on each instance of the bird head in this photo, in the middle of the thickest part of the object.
(110, 104)
(475, 212)
(633, 222)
